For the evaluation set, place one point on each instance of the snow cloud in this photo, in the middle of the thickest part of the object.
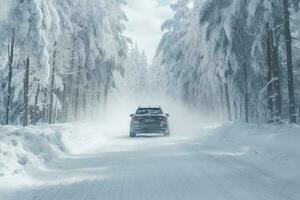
(145, 19)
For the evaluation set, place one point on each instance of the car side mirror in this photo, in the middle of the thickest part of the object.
(131, 115)
(168, 115)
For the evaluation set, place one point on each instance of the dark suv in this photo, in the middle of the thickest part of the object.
(149, 120)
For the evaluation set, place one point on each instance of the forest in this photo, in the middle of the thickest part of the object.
(58, 58)
(235, 59)
(239, 59)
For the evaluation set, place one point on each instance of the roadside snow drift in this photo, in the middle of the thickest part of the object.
(34, 146)
(274, 150)
(20, 147)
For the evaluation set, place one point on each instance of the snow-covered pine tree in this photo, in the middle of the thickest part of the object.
(212, 42)
(167, 67)
(88, 33)
(136, 74)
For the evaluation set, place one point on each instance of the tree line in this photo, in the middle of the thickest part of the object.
(60, 59)
(238, 60)
(274, 94)
(83, 94)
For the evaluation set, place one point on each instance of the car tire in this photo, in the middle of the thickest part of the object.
(132, 134)
(167, 134)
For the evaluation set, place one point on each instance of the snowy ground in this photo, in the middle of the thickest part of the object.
(76, 162)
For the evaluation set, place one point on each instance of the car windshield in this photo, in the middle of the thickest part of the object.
(145, 111)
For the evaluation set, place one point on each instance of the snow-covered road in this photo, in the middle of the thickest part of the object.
(157, 168)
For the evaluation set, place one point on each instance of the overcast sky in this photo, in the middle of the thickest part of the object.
(3, 9)
(145, 18)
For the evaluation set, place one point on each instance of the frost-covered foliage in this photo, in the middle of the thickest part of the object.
(82, 40)
(171, 49)
(213, 43)
(136, 74)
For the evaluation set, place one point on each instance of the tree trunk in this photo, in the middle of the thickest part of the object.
(222, 100)
(45, 106)
(269, 81)
(221, 97)
(289, 56)
(93, 103)
(227, 98)
(276, 75)
(105, 97)
(10, 65)
(241, 110)
(235, 110)
(99, 92)
(84, 102)
(99, 98)
(26, 89)
(246, 95)
(70, 99)
(77, 93)
(36, 101)
(63, 116)
(70, 112)
(55, 112)
(52, 89)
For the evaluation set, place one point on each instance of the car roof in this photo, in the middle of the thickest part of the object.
(151, 107)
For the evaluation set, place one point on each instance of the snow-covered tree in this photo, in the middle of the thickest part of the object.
(207, 50)
(136, 73)
(65, 35)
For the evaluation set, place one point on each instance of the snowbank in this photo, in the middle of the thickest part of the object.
(22, 147)
(271, 148)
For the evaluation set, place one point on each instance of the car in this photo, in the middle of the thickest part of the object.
(149, 120)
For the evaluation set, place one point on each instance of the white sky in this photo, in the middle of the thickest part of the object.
(4, 7)
(144, 20)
